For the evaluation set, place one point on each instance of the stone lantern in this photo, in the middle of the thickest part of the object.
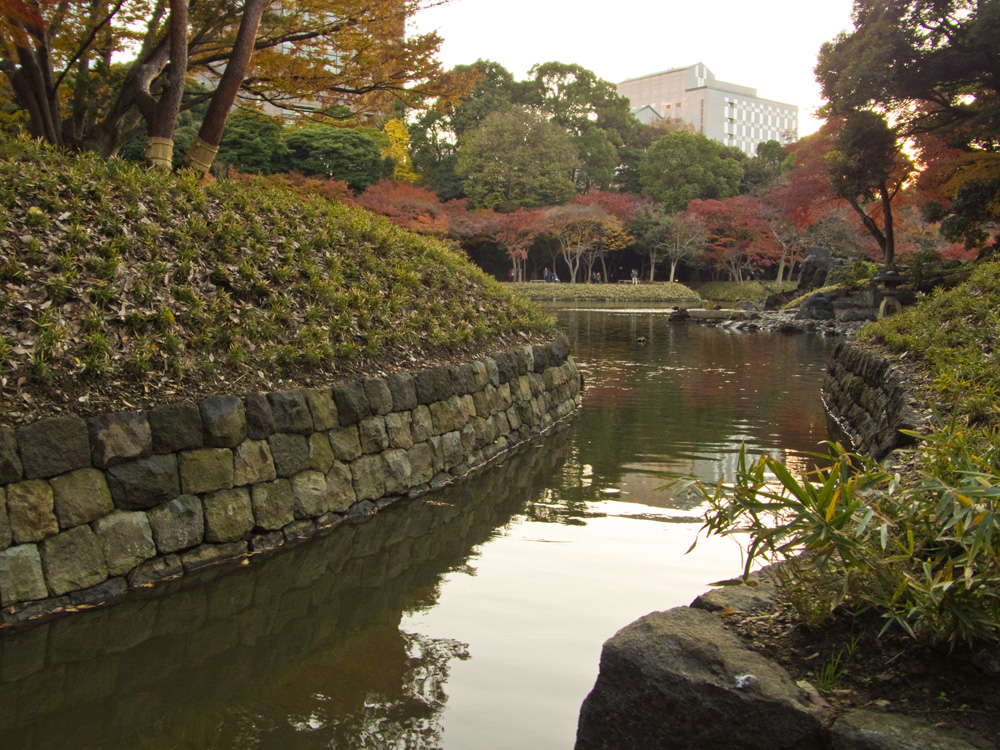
(891, 280)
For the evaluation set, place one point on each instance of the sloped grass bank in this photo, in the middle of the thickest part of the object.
(953, 335)
(665, 291)
(121, 285)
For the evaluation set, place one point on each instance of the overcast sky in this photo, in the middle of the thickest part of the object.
(770, 45)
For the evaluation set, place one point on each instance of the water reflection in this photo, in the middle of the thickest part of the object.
(471, 619)
(305, 650)
(682, 402)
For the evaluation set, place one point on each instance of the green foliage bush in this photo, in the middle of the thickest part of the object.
(924, 553)
(853, 275)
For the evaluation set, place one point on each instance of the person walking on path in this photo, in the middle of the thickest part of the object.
(635, 277)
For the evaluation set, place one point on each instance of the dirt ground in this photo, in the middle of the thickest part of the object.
(852, 666)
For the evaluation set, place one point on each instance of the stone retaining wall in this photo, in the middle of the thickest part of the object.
(91, 507)
(868, 401)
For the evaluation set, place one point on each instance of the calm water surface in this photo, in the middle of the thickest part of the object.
(469, 619)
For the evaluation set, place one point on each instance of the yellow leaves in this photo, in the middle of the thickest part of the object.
(977, 167)
(399, 150)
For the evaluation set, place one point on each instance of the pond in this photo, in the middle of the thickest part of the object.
(471, 618)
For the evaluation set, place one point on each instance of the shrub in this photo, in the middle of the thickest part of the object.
(925, 554)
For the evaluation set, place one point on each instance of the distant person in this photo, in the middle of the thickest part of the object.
(635, 276)
(547, 277)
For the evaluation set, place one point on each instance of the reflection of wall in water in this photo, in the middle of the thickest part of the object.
(167, 669)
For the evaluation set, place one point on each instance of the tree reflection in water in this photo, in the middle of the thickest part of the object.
(303, 650)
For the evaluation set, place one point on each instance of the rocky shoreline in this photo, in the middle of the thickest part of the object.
(682, 679)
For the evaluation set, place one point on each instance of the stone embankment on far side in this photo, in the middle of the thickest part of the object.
(90, 507)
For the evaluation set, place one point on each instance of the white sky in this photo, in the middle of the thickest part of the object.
(770, 45)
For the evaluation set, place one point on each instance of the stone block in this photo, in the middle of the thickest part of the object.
(177, 525)
(158, 569)
(73, 560)
(421, 463)
(145, 482)
(10, 462)
(53, 446)
(528, 353)
(558, 351)
(252, 463)
(398, 471)
(206, 470)
(301, 529)
(433, 384)
(224, 420)
(541, 356)
(228, 515)
(451, 449)
(368, 477)
(352, 402)
(322, 408)
(80, 497)
(6, 535)
(273, 504)
(403, 390)
(21, 576)
(340, 486)
(422, 424)
(379, 396)
(445, 415)
(210, 554)
(30, 511)
(463, 379)
(126, 540)
(260, 419)
(291, 412)
(118, 437)
(176, 427)
(397, 425)
(373, 435)
(310, 494)
(492, 372)
(290, 453)
(506, 366)
(480, 375)
(346, 443)
(321, 456)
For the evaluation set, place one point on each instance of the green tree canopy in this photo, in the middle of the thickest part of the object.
(435, 134)
(931, 64)
(517, 158)
(932, 67)
(338, 153)
(252, 143)
(867, 167)
(681, 167)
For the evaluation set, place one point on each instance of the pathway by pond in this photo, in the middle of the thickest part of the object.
(472, 618)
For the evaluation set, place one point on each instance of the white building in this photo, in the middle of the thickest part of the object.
(725, 112)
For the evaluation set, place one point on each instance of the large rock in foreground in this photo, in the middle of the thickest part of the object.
(678, 679)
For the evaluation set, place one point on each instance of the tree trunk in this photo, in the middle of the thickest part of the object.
(890, 236)
(160, 126)
(202, 152)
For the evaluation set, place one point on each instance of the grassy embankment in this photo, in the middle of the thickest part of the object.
(121, 285)
(647, 292)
